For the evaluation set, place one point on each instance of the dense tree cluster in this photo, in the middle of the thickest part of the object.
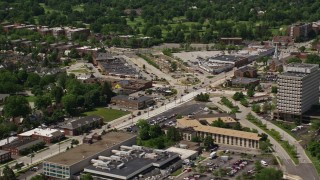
(153, 136)
(171, 20)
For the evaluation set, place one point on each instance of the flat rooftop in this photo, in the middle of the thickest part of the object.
(302, 65)
(294, 74)
(197, 126)
(228, 58)
(184, 153)
(2, 152)
(46, 132)
(76, 154)
(132, 165)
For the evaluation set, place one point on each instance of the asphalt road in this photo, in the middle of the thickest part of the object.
(304, 169)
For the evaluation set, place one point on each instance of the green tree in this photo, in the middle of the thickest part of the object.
(274, 89)
(39, 177)
(173, 134)
(219, 123)
(42, 101)
(8, 173)
(173, 66)
(208, 142)
(143, 129)
(294, 60)
(69, 102)
(244, 102)
(33, 79)
(269, 173)
(250, 92)
(86, 176)
(238, 96)
(256, 108)
(57, 93)
(16, 106)
(155, 131)
(302, 48)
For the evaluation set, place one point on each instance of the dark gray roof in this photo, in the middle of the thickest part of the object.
(246, 68)
(104, 56)
(2, 152)
(3, 96)
(132, 99)
(134, 166)
(76, 123)
(244, 80)
(22, 144)
(227, 58)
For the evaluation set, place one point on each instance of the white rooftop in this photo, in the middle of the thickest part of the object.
(184, 153)
(7, 140)
(47, 132)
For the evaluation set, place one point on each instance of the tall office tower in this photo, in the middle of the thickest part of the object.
(298, 90)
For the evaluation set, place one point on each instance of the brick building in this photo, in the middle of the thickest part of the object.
(299, 30)
(78, 126)
(15, 147)
(5, 156)
(46, 134)
(247, 71)
(132, 102)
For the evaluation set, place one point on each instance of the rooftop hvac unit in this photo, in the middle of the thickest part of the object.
(135, 147)
(115, 151)
(104, 158)
(142, 154)
(115, 158)
(95, 161)
(158, 151)
(150, 155)
(120, 166)
(126, 148)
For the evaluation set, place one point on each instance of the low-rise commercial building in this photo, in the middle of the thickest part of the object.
(247, 71)
(192, 127)
(130, 162)
(130, 102)
(78, 126)
(236, 61)
(5, 156)
(16, 147)
(67, 164)
(48, 135)
(243, 81)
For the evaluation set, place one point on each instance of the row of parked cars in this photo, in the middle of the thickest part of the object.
(237, 166)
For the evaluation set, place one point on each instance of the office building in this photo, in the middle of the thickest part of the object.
(130, 162)
(298, 90)
(191, 128)
(131, 102)
(79, 125)
(299, 30)
(68, 164)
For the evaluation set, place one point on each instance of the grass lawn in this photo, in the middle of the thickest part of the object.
(177, 172)
(78, 8)
(31, 98)
(81, 71)
(107, 114)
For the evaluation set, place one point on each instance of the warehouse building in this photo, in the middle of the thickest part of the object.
(130, 162)
(67, 165)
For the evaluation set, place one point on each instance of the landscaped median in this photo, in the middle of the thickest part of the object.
(149, 61)
(291, 150)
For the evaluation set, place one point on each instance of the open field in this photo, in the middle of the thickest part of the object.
(107, 114)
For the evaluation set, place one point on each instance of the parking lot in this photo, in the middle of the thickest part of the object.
(227, 165)
(169, 117)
